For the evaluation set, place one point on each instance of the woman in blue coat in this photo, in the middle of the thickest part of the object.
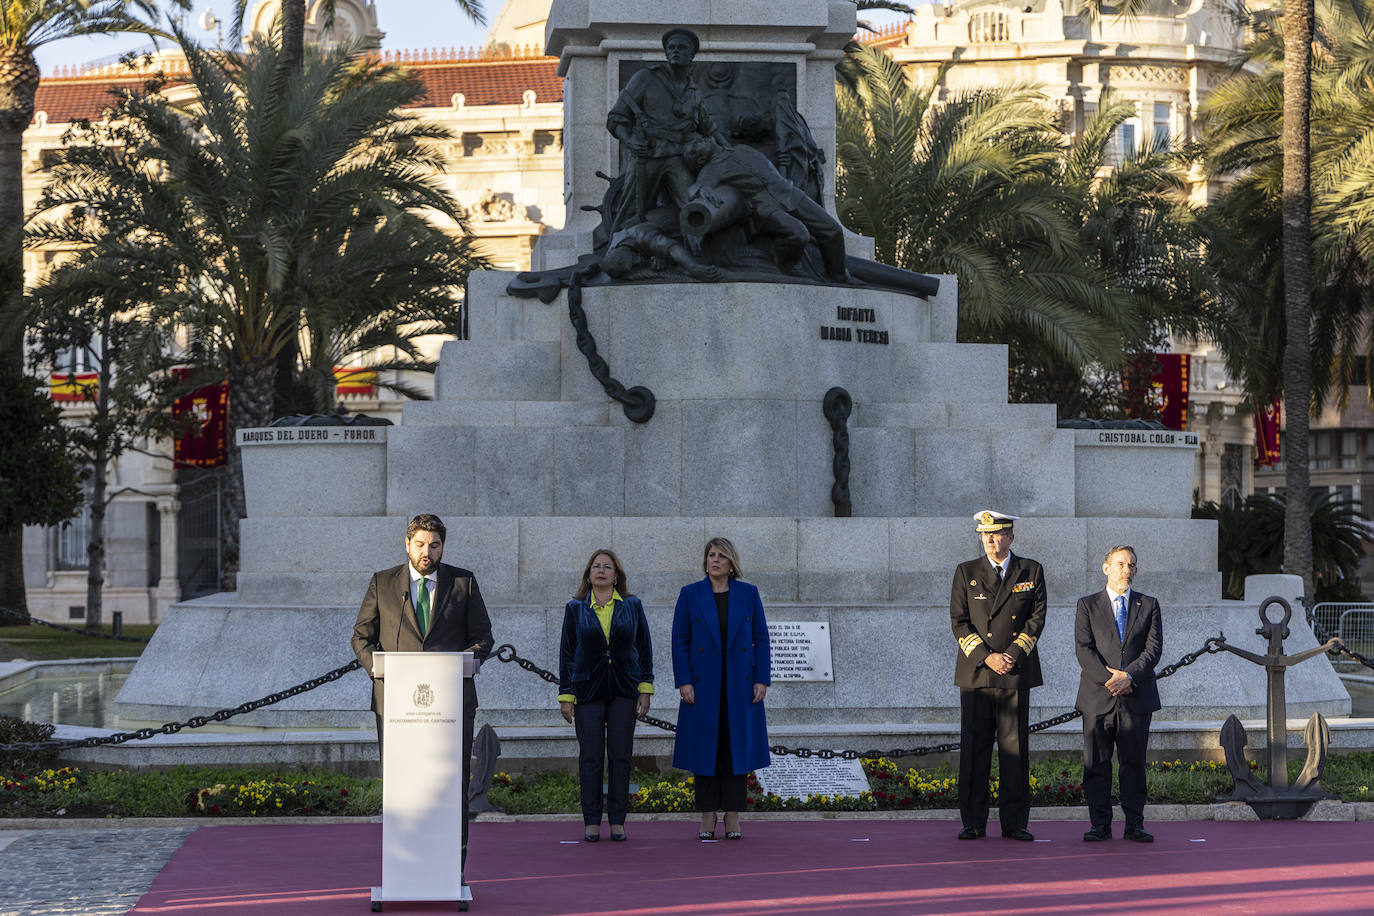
(722, 671)
(606, 674)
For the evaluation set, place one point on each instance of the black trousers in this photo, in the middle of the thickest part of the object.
(987, 714)
(605, 734)
(1129, 734)
(469, 719)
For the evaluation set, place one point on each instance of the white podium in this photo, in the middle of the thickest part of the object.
(423, 769)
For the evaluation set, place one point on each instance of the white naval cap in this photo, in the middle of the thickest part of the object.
(988, 520)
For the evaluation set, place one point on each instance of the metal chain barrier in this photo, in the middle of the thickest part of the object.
(506, 653)
(25, 618)
(1323, 636)
(172, 728)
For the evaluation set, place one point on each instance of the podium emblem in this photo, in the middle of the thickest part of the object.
(423, 696)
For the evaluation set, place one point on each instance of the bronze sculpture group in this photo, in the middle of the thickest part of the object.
(720, 179)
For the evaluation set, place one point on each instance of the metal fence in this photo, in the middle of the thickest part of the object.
(1350, 622)
(198, 534)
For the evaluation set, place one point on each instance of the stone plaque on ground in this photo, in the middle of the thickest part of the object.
(800, 651)
(796, 777)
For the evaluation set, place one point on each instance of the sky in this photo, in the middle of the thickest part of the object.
(408, 24)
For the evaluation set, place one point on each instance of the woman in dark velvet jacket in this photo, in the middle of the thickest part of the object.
(606, 675)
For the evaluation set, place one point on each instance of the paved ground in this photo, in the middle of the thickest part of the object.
(85, 871)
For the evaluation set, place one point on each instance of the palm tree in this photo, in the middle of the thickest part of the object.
(268, 206)
(1135, 225)
(1251, 540)
(25, 26)
(970, 186)
(1259, 131)
(1297, 281)
(290, 37)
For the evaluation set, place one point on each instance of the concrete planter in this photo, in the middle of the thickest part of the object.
(314, 471)
(1131, 473)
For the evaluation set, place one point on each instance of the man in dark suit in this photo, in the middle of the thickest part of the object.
(1119, 639)
(997, 610)
(424, 606)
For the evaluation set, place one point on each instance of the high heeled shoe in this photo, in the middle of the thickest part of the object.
(707, 834)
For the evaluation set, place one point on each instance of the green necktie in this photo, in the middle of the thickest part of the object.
(422, 607)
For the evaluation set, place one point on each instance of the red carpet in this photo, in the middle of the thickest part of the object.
(867, 867)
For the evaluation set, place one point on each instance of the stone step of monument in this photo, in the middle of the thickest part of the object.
(355, 750)
(477, 413)
(522, 370)
(962, 415)
(537, 559)
(891, 665)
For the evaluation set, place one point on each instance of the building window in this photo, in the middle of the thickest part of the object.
(70, 540)
(1320, 459)
(1123, 142)
(1346, 457)
(1231, 478)
(1164, 133)
(1343, 493)
(987, 26)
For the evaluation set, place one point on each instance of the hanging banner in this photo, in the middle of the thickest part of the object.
(1164, 388)
(68, 388)
(1267, 452)
(201, 418)
(355, 381)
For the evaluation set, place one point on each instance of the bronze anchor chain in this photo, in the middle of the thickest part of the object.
(1341, 648)
(506, 653)
(172, 728)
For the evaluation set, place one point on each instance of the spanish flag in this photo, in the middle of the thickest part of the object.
(71, 388)
(358, 381)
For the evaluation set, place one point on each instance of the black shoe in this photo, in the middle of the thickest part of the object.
(620, 837)
(971, 833)
(1138, 835)
(1098, 834)
(592, 837)
(1018, 833)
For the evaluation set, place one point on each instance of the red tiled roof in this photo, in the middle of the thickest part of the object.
(498, 82)
(81, 97)
(480, 82)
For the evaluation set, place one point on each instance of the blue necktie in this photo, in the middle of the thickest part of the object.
(1120, 615)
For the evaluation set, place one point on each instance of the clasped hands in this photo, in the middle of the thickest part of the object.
(1000, 662)
(1119, 684)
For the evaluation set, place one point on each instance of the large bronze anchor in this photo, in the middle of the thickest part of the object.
(1277, 800)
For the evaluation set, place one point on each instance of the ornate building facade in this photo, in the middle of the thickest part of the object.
(1165, 60)
(503, 104)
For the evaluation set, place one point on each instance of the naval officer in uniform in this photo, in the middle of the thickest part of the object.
(997, 610)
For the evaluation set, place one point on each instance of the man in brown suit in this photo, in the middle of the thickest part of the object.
(424, 606)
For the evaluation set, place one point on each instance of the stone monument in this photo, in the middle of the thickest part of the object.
(533, 464)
